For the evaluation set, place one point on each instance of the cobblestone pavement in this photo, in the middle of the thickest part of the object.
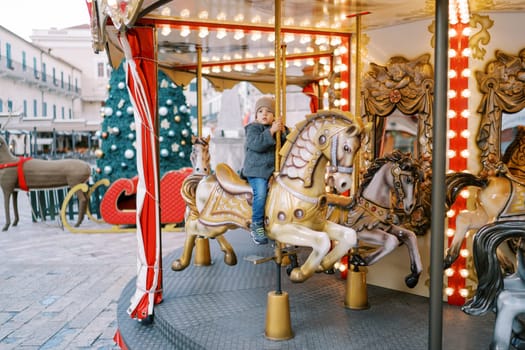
(60, 290)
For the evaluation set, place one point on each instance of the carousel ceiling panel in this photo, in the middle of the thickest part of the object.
(235, 38)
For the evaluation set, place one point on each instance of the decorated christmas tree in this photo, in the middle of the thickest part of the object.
(117, 156)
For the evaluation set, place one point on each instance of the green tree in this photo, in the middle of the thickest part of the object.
(117, 156)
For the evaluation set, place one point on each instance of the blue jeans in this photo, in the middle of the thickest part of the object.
(260, 190)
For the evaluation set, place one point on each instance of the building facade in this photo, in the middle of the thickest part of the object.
(51, 91)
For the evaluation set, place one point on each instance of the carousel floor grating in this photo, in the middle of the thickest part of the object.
(224, 307)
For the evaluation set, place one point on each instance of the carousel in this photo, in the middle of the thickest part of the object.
(395, 210)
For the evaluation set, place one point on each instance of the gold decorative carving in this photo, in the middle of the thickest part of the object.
(406, 85)
(502, 85)
(482, 37)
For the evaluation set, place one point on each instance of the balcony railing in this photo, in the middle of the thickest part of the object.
(15, 70)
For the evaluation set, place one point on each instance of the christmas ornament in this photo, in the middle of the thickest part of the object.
(129, 154)
(108, 169)
(164, 153)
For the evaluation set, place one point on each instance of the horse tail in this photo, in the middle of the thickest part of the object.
(455, 182)
(188, 190)
(486, 263)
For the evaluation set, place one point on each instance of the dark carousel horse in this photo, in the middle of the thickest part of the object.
(495, 291)
(372, 214)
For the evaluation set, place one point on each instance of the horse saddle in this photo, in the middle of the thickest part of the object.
(230, 181)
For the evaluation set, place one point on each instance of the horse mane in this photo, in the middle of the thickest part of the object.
(300, 140)
(488, 270)
(404, 160)
(514, 156)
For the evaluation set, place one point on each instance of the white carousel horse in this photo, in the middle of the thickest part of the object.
(372, 215)
(27, 174)
(507, 294)
(296, 205)
(499, 197)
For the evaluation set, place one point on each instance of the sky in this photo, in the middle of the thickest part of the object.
(22, 16)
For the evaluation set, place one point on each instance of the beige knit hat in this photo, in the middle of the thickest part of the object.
(265, 101)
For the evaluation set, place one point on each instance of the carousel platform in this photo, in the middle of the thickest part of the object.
(224, 307)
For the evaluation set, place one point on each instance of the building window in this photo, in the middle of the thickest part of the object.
(76, 85)
(44, 109)
(9, 105)
(1, 105)
(69, 82)
(63, 111)
(24, 61)
(35, 70)
(35, 108)
(62, 80)
(44, 74)
(100, 70)
(25, 108)
(9, 62)
(55, 77)
(54, 111)
(70, 113)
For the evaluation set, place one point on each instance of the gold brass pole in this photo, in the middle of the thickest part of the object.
(356, 294)
(278, 325)
(202, 244)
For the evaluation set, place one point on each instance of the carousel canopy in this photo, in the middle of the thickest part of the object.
(234, 40)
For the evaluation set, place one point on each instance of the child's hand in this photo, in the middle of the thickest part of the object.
(277, 125)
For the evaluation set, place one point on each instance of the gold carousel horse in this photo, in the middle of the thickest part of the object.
(27, 174)
(296, 206)
(372, 211)
(499, 197)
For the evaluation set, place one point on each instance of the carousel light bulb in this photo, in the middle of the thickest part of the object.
(237, 68)
(185, 13)
(310, 62)
(203, 32)
(465, 153)
(451, 153)
(215, 69)
(463, 292)
(452, 32)
(305, 39)
(221, 16)
(343, 67)
(451, 134)
(465, 134)
(206, 70)
(337, 265)
(464, 194)
(336, 86)
(335, 41)
(343, 268)
(261, 66)
(256, 19)
(298, 63)
(464, 253)
(203, 15)
(451, 94)
(465, 93)
(166, 11)
(227, 68)
(239, 17)
(452, 53)
(289, 21)
(466, 52)
(452, 74)
(466, 73)
(343, 85)
(465, 113)
(250, 67)
(449, 291)
(449, 272)
(337, 103)
(451, 213)
(185, 31)
(464, 273)
(319, 40)
(256, 35)
(467, 31)
(271, 37)
(451, 114)
(450, 232)
(342, 49)
(239, 34)
(344, 101)
(288, 38)
(165, 30)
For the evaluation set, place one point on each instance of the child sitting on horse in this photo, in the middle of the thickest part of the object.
(259, 160)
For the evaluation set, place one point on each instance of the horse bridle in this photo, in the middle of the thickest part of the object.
(334, 166)
(397, 172)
